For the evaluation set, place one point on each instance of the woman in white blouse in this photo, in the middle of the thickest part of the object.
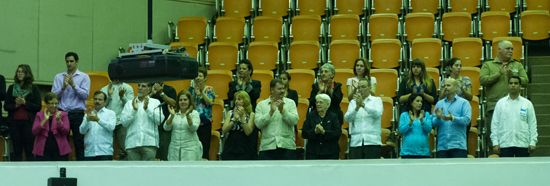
(361, 69)
(183, 122)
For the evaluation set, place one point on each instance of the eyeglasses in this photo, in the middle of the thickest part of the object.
(362, 87)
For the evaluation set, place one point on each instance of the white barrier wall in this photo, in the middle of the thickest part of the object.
(448, 172)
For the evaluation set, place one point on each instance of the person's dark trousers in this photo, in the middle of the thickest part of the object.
(99, 158)
(120, 136)
(414, 157)
(22, 139)
(204, 132)
(75, 120)
(514, 152)
(452, 153)
(365, 152)
(52, 154)
(277, 154)
(334, 156)
(164, 142)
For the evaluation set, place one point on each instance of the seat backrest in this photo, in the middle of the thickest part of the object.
(223, 55)
(304, 54)
(274, 8)
(350, 6)
(427, 49)
(344, 27)
(217, 114)
(455, 25)
(469, 50)
(419, 25)
(383, 26)
(266, 28)
(342, 76)
(134, 87)
(427, 6)
(98, 80)
(343, 143)
(535, 24)
(180, 84)
(343, 53)
(192, 29)
(312, 7)
(214, 145)
(387, 6)
(387, 114)
(468, 6)
(473, 74)
(263, 54)
(303, 106)
(475, 110)
(219, 79)
(230, 29)
(537, 5)
(344, 104)
(191, 48)
(495, 24)
(306, 28)
(386, 82)
(502, 5)
(434, 73)
(385, 53)
(264, 76)
(237, 8)
(302, 81)
(517, 42)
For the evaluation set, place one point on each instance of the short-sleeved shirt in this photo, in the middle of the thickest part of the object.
(205, 110)
(466, 83)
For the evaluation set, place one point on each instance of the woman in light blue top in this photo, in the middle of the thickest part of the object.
(415, 125)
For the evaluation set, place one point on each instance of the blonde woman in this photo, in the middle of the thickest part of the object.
(241, 143)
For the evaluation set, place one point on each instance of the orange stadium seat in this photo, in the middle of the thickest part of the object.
(191, 48)
(341, 76)
(312, 7)
(303, 108)
(98, 80)
(473, 74)
(264, 55)
(342, 53)
(229, 29)
(344, 27)
(427, 6)
(192, 29)
(469, 50)
(386, 82)
(434, 72)
(456, 25)
(468, 6)
(387, 114)
(304, 55)
(267, 28)
(343, 143)
(356, 7)
(237, 8)
(495, 24)
(303, 80)
(217, 114)
(344, 104)
(214, 145)
(134, 87)
(535, 24)
(387, 6)
(429, 50)
(274, 8)
(537, 5)
(383, 26)
(419, 25)
(265, 77)
(219, 79)
(475, 110)
(306, 28)
(222, 56)
(502, 5)
(180, 84)
(517, 42)
(385, 53)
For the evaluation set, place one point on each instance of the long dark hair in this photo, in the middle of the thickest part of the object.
(408, 106)
(426, 79)
(29, 78)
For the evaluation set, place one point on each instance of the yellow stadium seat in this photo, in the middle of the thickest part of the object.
(214, 145)
(385, 53)
(264, 76)
(517, 42)
(217, 114)
(303, 80)
(475, 110)
(387, 114)
(344, 27)
(304, 55)
(342, 76)
(502, 5)
(237, 8)
(387, 6)
(419, 25)
(456, 25)
(264, 55)
(180, 84)
(98, 80)
(383, 26)
(274, 8)
(306, 28)
(535, 24)
(222, 56)
(495, 24)
(192, 29)
(344, 105)
(267, 28)
(469, 50)
(472, 141)
(434, 72)
(191, 48)
(429, 50)
(473, 74)
(356, 7)
(134, 87)
(343, 143)
(312, 7)
(342, 53)
(303, 107)
(467, 6)
(219, 79)
(537, 5)
(427, 6)
(229, 29)
(389, 77)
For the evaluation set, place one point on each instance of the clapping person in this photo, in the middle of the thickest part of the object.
(322, 129)
(50, 129)
(361, 69)
(203, 96)
(326, 85)
(22, 103)
(415, 125)
(99, 124)
(419, 82)
(183, 122)
(118, 93)
(245, 83)
(239, 124)
(289, 93)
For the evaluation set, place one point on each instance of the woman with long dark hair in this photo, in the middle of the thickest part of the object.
(418, 82)
(415, 125)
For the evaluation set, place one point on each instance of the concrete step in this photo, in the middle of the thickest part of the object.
(539, 78)
(541, 150)
(543, 130)
(539, 98)
(538, 60)
(540, 69)
(542, 109)
(539, 87)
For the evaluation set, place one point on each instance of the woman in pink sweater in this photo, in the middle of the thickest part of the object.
(51, 128)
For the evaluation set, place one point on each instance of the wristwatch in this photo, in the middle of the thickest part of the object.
(162, 94)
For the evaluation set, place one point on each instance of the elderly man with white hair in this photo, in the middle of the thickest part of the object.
(322, 129)
(494, 79)
(325, 85)
(365, 117)
(452, 115)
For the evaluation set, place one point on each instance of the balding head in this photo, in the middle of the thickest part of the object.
(451, 86)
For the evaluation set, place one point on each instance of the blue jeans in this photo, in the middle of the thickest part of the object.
(452, 153)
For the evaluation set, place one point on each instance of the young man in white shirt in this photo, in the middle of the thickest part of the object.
(142, 117)
(118, 93)
(99, 123)
(365, 116)
(514, 124)
(276, 117)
